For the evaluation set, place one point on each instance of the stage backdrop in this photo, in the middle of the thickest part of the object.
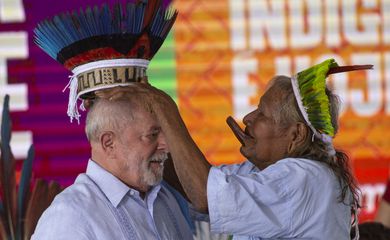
(215, 63)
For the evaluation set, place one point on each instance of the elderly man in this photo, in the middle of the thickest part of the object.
(293, 185)
(120, 195)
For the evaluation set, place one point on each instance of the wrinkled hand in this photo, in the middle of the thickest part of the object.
(157, 102)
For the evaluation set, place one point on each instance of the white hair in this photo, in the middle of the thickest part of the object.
(109, 115)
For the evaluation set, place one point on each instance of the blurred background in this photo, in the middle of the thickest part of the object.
(216, 62)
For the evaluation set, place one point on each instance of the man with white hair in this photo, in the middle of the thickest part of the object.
(120, 196)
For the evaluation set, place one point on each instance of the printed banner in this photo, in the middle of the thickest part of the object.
(227, 51)
(216, 63)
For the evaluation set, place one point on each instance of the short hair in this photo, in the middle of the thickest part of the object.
(111, 110)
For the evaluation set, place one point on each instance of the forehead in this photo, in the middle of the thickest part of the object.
(144, 119)
(271, 97)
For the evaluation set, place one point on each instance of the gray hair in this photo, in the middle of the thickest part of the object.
(108, 115)
(289, 113)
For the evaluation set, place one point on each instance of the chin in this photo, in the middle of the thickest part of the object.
(243, 153)
(152, 179)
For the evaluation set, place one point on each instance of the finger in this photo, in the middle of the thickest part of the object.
(238, 132)
(144, 80)
(139, 87)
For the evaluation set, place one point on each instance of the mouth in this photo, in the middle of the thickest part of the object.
(246, 131)
(237, 131)
(158, 159)
(160, 162)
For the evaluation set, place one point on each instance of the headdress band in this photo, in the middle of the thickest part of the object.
(105, 46)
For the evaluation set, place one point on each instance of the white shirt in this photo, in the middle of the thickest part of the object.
(293, 198)
(100, 206)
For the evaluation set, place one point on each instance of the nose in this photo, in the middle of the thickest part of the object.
(162, 143)
(248, 118)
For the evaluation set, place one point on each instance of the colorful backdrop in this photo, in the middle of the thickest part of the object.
(215, 63)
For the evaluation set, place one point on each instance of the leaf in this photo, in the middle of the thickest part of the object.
(24, 188)
(3, 232)
(7, 167)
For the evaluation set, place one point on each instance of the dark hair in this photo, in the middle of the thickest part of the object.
(372, 231)
(314, 148)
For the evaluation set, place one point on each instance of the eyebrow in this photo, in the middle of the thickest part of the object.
(154, 128)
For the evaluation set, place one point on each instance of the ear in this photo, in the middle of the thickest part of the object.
(107, 141)
(298, 133)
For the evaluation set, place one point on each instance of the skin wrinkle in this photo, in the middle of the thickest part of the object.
(126, 139)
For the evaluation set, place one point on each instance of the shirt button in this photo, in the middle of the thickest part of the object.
(131, 192)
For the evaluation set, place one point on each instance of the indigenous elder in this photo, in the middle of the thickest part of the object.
(121, 195)
(294, 183)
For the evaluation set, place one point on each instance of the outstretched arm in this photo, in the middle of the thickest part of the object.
(190, 164)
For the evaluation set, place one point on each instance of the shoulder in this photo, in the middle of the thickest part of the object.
(83, 193)
(241, 168)
(71, 211)
(299, 176)
(299, 167)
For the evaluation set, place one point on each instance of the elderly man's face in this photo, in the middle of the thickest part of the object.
(141, 152)
(269, 143)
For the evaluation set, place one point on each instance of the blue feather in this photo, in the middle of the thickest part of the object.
(7, 175)
(24, 187)
(68, 28)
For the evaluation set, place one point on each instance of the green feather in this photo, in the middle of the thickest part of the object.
(312, 87)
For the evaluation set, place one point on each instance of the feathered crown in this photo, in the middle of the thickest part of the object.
(105, 46)
(310, 92)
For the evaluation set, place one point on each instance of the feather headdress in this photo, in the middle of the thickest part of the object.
(105, 46)
(310, 92)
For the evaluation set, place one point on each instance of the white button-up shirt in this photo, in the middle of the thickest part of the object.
(293, 198)
(100, 206)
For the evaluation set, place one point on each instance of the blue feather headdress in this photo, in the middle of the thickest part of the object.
(105, 46)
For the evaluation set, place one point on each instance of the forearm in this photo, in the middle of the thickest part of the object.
(190, 164)
(171, 177)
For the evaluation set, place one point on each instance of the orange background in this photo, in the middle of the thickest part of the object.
(204, 78)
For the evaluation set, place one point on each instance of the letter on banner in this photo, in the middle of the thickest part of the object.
(368, 34)
(14, 45)
(267, 17)
(12, 11)
(300, 37)
(371, 192)
(243, 90)
(264, 17)
(374, 89)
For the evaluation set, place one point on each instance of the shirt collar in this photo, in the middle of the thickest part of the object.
(111, 186)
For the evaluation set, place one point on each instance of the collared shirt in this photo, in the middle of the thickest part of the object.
(99, 206)
(293, 198)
